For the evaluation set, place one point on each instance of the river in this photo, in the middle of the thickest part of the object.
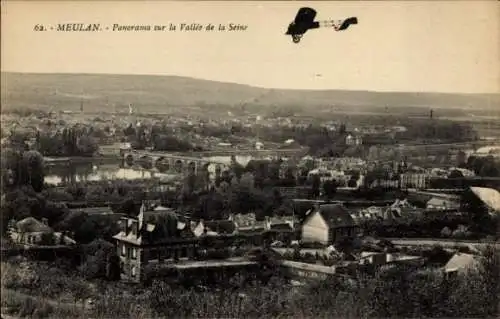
(111, 169)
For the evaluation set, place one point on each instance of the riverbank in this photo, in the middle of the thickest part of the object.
(80, 159)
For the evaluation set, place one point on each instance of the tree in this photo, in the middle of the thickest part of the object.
(352, 182)
(129, 131)
(247, 181)
(330, 188)
(354, 151)
(456, 174)
(489, 168)
(209, 206)
(236, 168)
(23, 168)
(86, 146)
(461, 159)
(446, 232)
(290, 179)
(316, 184)
(189, 184)
(33, 164)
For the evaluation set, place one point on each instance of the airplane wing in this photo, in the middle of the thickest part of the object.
(305, 15)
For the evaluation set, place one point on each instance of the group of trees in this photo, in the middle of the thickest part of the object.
(475, 225)
(483, 166)
(22, 168)
(159, 137)
(69, 142)
(237, 198)
(435, 131)
(322, 141)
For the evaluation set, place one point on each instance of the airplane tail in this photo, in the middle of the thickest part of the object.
(339, 25)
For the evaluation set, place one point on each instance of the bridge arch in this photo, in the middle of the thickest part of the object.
(178, 166)
(162, 164)
(192, 167)
(204, 172)
(218, 170)
(129, 160)
(146, 162)
(205, 167)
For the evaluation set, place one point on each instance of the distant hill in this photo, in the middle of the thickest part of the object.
(149, 93)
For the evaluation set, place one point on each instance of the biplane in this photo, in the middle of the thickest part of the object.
(304, 20)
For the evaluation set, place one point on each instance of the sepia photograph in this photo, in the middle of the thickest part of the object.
(250, 159)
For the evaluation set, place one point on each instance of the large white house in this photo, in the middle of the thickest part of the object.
(327, 224)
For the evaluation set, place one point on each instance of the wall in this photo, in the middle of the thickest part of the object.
(127, 261)
(315, 229)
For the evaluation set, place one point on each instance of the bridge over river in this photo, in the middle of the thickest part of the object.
(193, 162)
(172, 163)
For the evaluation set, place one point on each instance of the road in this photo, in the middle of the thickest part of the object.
(442, 242)
(450, 145)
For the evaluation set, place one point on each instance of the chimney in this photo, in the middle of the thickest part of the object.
(124, 225)
(134, 227)
(268, 223)
(61, 238)
(192, 225)
(145, 206)
(315, 206)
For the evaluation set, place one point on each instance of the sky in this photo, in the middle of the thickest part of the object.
(420, 46)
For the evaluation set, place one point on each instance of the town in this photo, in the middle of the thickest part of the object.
(132, 203)
(332, 160)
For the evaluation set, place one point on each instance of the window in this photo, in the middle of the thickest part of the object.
(134, 253)
(133, 271)
(124, 250)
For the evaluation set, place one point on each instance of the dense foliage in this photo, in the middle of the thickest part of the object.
(22, 168)
(395, 292)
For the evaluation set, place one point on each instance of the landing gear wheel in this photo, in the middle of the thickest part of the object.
(296, 38)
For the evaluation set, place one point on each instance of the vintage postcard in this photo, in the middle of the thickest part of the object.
(250, 159)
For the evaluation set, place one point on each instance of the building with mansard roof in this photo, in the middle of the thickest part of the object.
(156, 236)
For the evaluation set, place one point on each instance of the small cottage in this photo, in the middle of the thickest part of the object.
(213, 228)
(248, 223)
(32, 232)
(460, 263)
(441, 204)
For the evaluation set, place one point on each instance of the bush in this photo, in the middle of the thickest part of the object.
(446, 232)
(461, 232)
(43, 310)
(28, 306)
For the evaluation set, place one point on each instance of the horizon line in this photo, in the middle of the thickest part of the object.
(249, 85)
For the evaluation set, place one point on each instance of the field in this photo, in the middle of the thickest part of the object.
(159, 94)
